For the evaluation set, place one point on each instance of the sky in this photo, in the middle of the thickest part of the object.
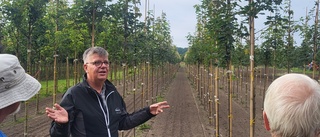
(182, 17)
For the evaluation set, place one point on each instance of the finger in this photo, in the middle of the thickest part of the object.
(163, 103)
(47, 112)
(159, 111)
(165, 106)
(57, 106)
(50, 110)
(52, 116)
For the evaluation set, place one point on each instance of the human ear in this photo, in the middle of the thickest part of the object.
(85, 67)
(266, 121)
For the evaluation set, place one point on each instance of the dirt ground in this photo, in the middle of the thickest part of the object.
(186, 117)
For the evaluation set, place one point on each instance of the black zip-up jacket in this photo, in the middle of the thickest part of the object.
(89, 117)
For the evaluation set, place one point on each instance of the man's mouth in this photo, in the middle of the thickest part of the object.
(102, 72)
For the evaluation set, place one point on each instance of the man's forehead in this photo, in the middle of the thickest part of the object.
(98, 57)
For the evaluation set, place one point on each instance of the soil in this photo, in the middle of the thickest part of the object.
(185, 118)
(188, 115)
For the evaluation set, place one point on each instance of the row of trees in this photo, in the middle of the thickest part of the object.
(48, 30)
(53, 32)
(220, 35)
(224, 41)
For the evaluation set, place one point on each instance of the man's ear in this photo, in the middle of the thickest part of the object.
(266, 121)
(85, 67)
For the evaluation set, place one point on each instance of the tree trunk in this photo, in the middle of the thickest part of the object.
(252, 92)
(315, 36)
(93, 23)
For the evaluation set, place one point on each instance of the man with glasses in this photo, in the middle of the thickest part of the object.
(94, 108)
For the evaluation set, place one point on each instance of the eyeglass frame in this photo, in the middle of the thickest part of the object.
(95, 63)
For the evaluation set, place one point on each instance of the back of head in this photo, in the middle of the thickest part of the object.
(292, 105)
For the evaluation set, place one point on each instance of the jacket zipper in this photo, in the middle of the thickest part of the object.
(106, 116)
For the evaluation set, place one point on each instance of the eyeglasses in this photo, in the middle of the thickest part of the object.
(99, 63)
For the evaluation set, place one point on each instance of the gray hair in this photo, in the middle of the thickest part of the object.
(292, 105)
(94, 50)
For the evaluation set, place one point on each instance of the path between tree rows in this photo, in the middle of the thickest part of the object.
(188, 118)
(185, 118)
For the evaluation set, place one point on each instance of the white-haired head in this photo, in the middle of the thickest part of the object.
(292, 106)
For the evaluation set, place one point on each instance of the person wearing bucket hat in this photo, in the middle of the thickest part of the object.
(94, 108)
(15, 86)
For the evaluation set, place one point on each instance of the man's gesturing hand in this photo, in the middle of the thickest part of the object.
(57, 113)
(157, 108)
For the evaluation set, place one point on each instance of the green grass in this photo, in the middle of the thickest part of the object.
(160, 98)
(292, 70)
(299, 70)
(144, 126)
(119, 74)
(47, 89)
(182, 64)
(62, 86)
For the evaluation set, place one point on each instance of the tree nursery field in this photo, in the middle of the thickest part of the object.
(188, 116)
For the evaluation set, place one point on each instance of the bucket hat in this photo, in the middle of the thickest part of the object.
(15, 84)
